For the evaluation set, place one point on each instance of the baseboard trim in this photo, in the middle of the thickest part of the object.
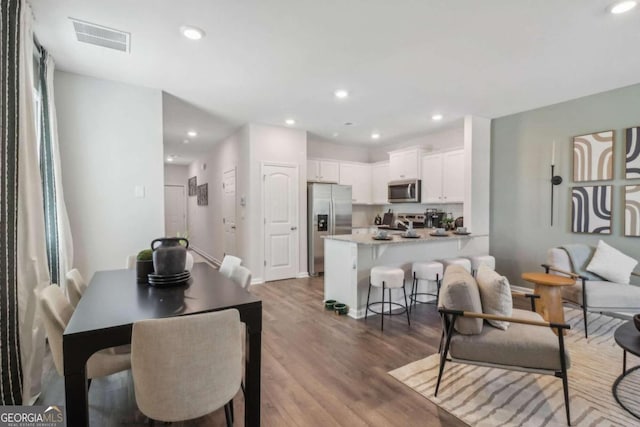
(257, 281)
(302, 275)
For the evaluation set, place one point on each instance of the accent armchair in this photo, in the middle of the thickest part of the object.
(529, 344)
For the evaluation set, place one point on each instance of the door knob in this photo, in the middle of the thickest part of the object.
(294, 228)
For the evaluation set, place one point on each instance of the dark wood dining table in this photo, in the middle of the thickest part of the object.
(113, 302)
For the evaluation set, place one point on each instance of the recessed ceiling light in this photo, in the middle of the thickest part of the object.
(436, 117)
(375, 135)
(192, 33)
(341, 93)
(623, 6)
(169, 159)
(186, 141)
(290, 122)
(192, 133)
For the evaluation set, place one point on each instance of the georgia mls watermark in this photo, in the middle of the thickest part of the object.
(32, 416)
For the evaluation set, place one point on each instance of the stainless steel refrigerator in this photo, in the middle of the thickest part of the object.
(329, 213)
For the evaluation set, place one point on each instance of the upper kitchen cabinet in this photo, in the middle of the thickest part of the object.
(379, 181)
(323, 171)
(405, 164)
(358, 176)
(443, 177)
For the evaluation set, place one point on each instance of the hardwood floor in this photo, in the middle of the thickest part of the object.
(318, 368)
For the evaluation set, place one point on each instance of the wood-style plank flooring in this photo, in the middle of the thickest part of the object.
(318, 369)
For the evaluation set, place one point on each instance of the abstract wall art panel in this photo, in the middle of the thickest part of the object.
(203, 195)
(593, 157)
(193, 184)
(633, 153)
(591, 209)
(632, 211)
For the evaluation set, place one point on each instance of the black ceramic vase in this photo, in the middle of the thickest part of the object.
(169, 256)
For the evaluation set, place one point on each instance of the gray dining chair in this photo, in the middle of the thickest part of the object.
(229, 262)
(241, 276)
(75, 286)
(57, 311)
(131, 261)
(188, 366)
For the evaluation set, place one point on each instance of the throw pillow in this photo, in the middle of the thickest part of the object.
(611, 264)
(495, 294)
(460, 292)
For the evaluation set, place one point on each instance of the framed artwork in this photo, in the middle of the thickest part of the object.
(203, 195)
(632, 210)
(193, 184)
(591, 209)
(633, 153)
(593, 157)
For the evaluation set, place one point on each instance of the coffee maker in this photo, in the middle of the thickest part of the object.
(434, 218)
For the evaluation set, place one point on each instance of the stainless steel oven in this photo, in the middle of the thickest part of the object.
(406, 191)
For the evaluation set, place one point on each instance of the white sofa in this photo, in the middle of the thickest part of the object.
(592, 295)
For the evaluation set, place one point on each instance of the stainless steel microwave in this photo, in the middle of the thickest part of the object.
(406, 191)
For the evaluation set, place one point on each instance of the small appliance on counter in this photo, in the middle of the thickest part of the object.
(378, 220)
(403, 221)
(434, 218)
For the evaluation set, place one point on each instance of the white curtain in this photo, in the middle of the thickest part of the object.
(33, 273)
(65, 242)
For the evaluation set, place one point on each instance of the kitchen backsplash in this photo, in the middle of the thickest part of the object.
(364, 215)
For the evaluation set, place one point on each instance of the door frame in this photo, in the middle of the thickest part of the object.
(263, 217)
(184, 203)
(235, 206)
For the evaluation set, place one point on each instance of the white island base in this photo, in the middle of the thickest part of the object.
(348, 260)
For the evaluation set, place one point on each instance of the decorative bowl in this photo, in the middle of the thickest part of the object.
(636, 321)
(328, 304)
(340, 308)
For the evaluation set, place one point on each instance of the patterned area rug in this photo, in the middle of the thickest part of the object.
(482, 396)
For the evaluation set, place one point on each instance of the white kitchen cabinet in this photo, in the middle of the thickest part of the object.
(443, 177)
(323, 171)
(358, 176)
(379, 181)
(405, 164)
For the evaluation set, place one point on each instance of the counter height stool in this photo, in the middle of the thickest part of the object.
(462, 262)
(386, 278)
(487, 260)
(431, 271)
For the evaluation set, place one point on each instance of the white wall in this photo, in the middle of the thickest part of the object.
(176, 175)
(110, 142)
(320, 148)
(206, 230)
(280, 145)
(443, 140)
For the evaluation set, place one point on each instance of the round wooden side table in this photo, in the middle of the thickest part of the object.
(548, 286)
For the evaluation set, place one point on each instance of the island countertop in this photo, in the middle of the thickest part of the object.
(396, 237)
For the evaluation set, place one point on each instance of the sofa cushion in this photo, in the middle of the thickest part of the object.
(602, 294)
(521, 345)
(459, 291)
(495, 295)
(558, 258)
(611, 264)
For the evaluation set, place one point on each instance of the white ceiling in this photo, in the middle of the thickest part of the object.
(402, 61)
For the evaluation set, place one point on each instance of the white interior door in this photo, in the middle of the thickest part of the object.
(175, 213)
(229, 211)
(280, 196)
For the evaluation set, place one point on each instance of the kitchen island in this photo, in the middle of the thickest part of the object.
(349, 258)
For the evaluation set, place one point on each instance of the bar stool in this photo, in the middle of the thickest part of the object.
(387, 278)
(487, 260)
(462, 262)
(431, 271)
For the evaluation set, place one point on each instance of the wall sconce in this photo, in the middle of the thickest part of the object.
(555, 179)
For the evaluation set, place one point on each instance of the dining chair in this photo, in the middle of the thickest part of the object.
(228, 264)
(187, 366)
(241, 276)
(131, 261)
(57, 311)
(75, 286)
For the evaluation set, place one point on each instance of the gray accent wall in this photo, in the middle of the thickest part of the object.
(520, 174)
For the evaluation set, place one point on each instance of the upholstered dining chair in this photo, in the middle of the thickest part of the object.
(188, 366)
(229, 262)
(57, 311)
(241, 276)
(131, 261)
(75, 286)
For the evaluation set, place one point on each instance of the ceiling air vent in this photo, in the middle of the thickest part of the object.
(98, 35)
